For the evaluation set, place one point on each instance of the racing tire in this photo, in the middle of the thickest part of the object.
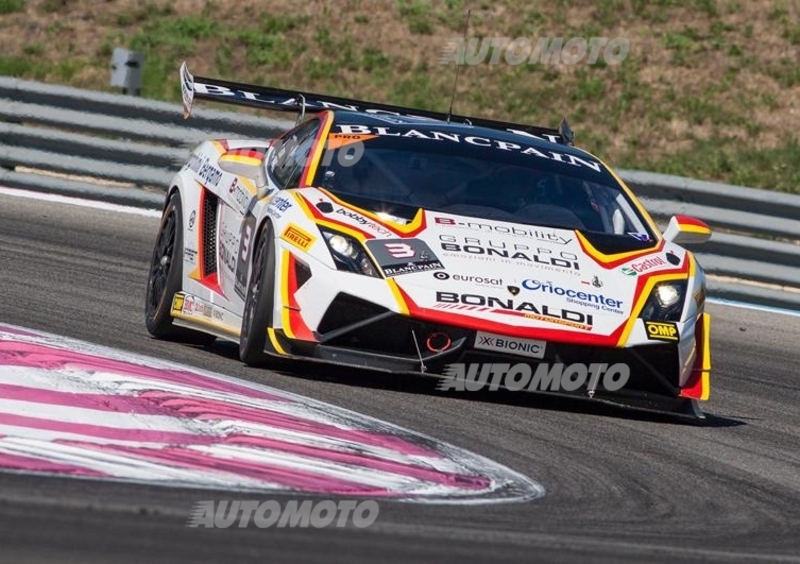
(259, 301)
(164, 279)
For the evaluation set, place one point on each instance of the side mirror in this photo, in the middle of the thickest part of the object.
(251, 167)
(684, 230)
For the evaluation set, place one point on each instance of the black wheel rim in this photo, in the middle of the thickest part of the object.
(162, 262)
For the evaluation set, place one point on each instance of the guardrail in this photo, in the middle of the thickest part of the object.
(78, 142)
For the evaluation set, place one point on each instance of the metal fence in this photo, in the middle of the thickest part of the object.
(125, 150)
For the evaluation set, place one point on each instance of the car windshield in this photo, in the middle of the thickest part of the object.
(483, 178)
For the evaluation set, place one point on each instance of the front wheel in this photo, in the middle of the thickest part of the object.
(259, 301)
(164, 280)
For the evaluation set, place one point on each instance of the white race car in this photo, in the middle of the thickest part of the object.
(405, 240)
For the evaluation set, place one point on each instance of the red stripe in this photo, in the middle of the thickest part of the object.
(686, 220)
(448, 318)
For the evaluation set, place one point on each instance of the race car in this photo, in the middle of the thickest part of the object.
(404, 240)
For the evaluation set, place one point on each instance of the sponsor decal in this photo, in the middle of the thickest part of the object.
(577, 297)
(188, 305)
(533, 348)
(363, 221)
(229, 242)
(297, 237)
(241, 195)
(635, 268)
(661, 330)
(479, 280)
(543, 258)
(190, 255)
(192, 219)
(596, 282)
(673, 259)
(277, 206)
(177, 303)
(474, 140)
(512, 306)
(243, 258)
(403, 256)
(209, 174)
(546, 235)
(556, 377)
(325, 207)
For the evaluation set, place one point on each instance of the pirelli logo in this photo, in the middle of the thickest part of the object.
(661, 330)
(297, 237)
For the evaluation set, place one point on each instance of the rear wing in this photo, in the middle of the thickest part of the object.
(276, 99)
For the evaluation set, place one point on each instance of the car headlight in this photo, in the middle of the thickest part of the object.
(348, 254)
(665, 302)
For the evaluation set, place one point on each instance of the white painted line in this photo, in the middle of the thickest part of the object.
(744, 305)
(94, 204)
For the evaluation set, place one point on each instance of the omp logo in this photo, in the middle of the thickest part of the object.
(661, 330)
(297, 237)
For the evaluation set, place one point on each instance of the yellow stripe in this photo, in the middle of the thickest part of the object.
(208, 323)
(357, 235)
(402, 228)
(283, 281)
(601, 257)
(312, 168)
(397, 296)
(706, 373)
(241, 159)
(637, 308)
(694, 229)
(248, 184)
(274, 340)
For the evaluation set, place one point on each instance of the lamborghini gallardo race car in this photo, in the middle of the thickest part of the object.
(405, 240)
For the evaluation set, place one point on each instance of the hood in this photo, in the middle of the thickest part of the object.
(514, 274)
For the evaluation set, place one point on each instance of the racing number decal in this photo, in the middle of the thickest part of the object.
(400, 250)
(248, 232)
(240, 284)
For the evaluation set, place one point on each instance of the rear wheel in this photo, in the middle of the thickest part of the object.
(259, 302)
(164, 280)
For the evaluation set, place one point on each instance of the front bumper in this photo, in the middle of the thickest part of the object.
(356, 332)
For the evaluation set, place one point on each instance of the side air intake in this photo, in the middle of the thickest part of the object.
(210, 207)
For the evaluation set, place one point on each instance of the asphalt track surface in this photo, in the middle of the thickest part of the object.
(620, 486)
